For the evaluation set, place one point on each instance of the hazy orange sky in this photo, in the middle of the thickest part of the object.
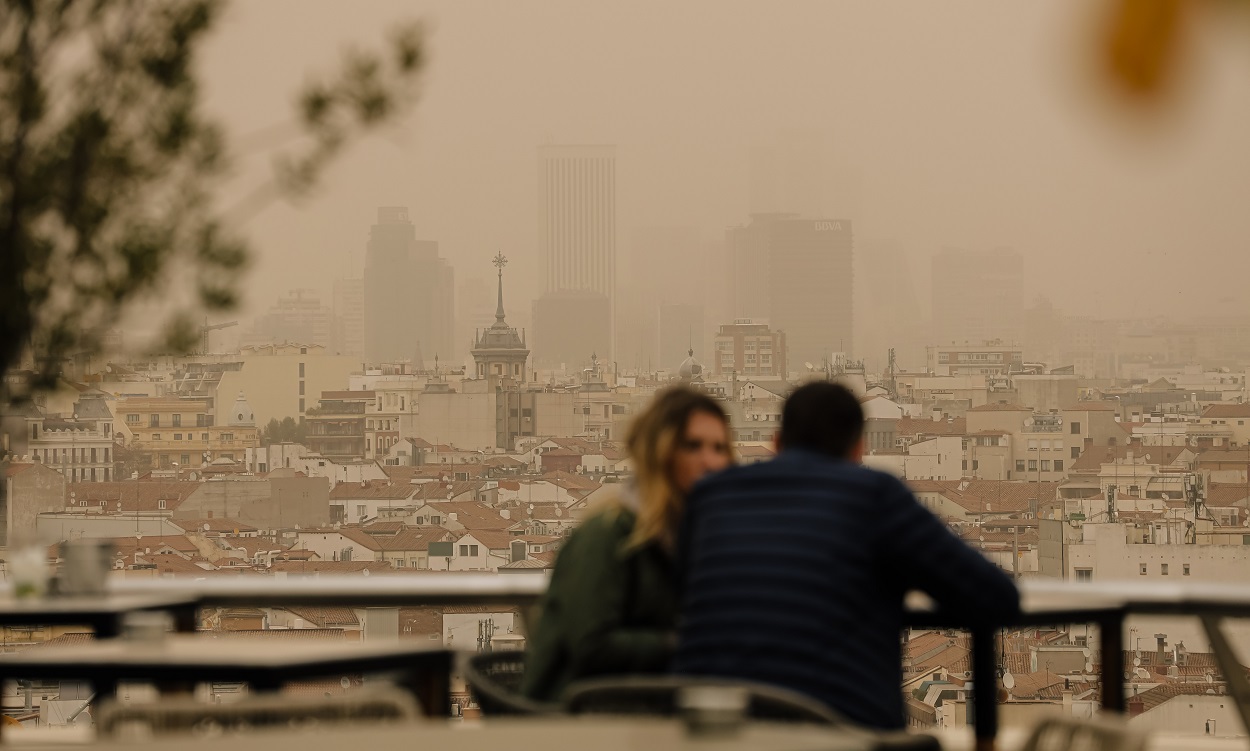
(952, 123)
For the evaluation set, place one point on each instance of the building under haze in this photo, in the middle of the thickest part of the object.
(569, 326)
(978, 296)
(348, 334)
(798, 275)
(409, 293)
(750, 349)
(298, 317)
(577, 227)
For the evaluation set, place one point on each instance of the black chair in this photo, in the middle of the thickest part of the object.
(494, 679)
(661, 695)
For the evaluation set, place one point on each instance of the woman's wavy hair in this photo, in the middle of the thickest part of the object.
(652, 441)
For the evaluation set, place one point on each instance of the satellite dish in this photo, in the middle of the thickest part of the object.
(809, 366)
(1087, 652)
(345, 682)
(1028, 421)
(1136, 662)
(1089, 666)
(1009, 680)
(1210, 678)
(365, 572)
(1142, 674)
(207, 526)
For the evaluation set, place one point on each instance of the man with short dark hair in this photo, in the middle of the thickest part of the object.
(793, 571)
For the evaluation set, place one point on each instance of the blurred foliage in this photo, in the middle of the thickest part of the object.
(286, 431)
(111, 173)
(1142, 42)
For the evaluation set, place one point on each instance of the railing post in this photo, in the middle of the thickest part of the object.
(1111, 642)
(984, 686)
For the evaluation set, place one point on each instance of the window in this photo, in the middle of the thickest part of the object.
(160, 504)
(360, 510)
(1083, 574)
(368, 424)
(464, 550)
(185, 458)
(1032, 444)
(1185, 569)
(93, 459)
(301, 388)
(156, 436)
(399, 563)
(1076, 452)
(1019, 465)
(203, 436)
(132, 419)
(472, 550)
(154, 421)
(301, 405)
(301, 370)
(1058, 465)
(177, 436)
(1163, 569)
(177, 420)
(1045, 465)
(1076, 428)
(1032, 465)
(227, 436)
(1142, 569)
(965, 467)
(976, 464)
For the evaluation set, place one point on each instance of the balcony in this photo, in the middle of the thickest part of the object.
(333, 410)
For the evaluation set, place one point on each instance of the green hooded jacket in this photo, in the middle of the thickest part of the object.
(611, 608)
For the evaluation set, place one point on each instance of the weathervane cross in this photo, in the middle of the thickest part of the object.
(500, 260)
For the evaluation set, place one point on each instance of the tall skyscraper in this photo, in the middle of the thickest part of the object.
(577, 218)
(797, 276)
(577, 242)
(409, 293)
(978, 296)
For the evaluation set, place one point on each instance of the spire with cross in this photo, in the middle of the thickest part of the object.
(500, 260)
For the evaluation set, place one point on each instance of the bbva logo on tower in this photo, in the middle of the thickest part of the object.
(834, 226)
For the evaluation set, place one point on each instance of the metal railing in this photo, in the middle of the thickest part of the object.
(1043, 602)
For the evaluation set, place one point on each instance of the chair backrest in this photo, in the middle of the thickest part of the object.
(135, 721)
(494, 679)
(1079, 735)
(660, 695)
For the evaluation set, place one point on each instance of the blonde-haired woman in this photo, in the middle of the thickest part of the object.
(611, 606)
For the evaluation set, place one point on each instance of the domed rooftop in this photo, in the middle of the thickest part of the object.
(241, 414)
(690, 368)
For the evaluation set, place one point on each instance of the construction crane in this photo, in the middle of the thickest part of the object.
(206, 328)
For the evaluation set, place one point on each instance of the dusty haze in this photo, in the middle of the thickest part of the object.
(965, 124)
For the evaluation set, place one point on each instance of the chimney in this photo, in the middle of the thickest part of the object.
(1135, 706)
(1161, 642)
